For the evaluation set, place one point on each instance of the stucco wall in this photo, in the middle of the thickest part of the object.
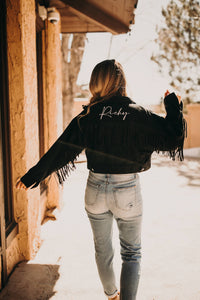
(193, 126)
(30, 206)
(13, 255)
(23, 120)
(52, 100)
(192, 117)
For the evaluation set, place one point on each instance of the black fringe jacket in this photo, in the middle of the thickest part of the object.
(119, 137)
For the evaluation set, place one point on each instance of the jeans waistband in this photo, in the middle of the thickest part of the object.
(112, 177)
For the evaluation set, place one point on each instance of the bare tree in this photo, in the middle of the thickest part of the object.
(72, 53)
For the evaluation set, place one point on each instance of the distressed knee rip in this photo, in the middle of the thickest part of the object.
(131, 255)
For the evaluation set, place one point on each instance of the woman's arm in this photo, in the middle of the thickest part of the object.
(59, 158)
(167, 133)
(21, 185)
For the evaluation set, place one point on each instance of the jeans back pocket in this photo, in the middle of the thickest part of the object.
(125, 197)
(91, 192)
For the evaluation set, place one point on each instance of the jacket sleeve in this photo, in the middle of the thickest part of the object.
(168, 134)
(59, 158)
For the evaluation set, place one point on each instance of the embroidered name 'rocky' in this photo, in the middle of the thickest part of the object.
(108, 112)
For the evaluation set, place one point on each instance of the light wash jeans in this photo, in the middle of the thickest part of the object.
(118, 196)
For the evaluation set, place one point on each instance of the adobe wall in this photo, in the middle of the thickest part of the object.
(193, 126)
(192, 117)
(30, 206)
(52, 100)
(21, 47)
(13, 255)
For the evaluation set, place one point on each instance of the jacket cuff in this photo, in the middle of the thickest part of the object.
(29, 179)
(172, 106)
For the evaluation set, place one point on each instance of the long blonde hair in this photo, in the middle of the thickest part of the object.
(107, 80)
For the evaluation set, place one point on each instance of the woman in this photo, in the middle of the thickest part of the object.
(119, 137)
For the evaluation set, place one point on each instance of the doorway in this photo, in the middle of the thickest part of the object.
(8, 227)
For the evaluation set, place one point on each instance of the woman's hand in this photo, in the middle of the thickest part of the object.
(167, 93)
(178, 96)
(21, 185)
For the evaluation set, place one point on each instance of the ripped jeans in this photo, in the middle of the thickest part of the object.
(118, 196)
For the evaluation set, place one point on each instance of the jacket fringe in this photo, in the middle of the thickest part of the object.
(65, 171)
(102, 137)
(179, 151)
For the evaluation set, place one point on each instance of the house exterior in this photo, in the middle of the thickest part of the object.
(31, 107)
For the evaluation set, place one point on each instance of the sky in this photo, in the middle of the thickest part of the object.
(133, 50)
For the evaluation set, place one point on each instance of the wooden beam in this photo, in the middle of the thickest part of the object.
(93, 14)
(80, 27)
(71, 23)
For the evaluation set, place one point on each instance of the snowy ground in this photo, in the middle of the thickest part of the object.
(64, 267)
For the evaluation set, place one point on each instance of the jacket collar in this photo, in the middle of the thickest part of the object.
(114, 99)
(121, 99)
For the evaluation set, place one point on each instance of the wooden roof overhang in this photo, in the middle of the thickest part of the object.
(77, 16)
